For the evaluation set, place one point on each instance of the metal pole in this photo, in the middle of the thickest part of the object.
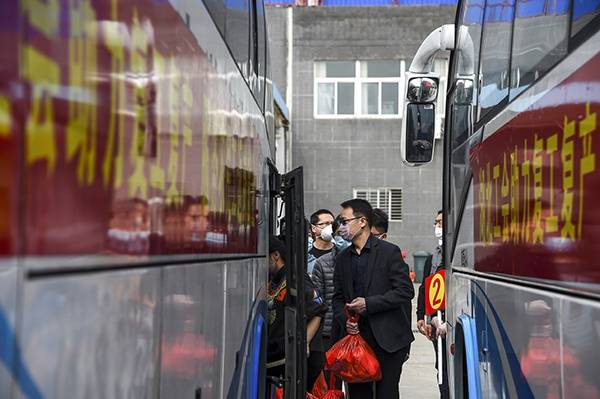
(439, 351)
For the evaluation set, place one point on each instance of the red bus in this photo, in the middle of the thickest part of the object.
(520, 183)
(135, 198)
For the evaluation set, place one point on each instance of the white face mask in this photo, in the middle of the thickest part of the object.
(438, 232)
(327, 233)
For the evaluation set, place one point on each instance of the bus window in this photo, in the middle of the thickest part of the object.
(584, 12)
(539, 40)
(238, 32)
(261, 47)
(495, 54)
(217, 10)
(471, 19)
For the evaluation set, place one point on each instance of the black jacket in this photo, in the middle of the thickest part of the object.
(276, 317)
(322, 277)
(428, 270)
(389, 294)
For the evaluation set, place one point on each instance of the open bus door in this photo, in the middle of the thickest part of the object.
(289, 189)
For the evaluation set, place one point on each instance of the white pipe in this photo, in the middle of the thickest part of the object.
(440, 39)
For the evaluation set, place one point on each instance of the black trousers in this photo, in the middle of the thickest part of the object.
(391, 369)
(314, 366)
(444, 388)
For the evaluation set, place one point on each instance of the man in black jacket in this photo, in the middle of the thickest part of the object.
(372, 279)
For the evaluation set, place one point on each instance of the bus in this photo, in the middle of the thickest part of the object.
(137, 193)
(520, 183)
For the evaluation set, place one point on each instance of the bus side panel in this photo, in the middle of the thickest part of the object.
(534, 344)
(536, 179)
(10, 161)
(205, 318)
(92, 335)
(137, 112)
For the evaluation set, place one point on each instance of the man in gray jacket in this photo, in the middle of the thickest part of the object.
(322, 278)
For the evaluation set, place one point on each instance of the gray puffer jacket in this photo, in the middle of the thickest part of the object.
(322, 278)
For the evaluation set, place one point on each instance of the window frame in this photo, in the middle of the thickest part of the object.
(358, 81)
(380, 191)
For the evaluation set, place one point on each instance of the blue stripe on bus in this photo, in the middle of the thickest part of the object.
(472, 354)
(521, 384)
(10, 357)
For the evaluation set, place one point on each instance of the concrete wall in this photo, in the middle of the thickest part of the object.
(339, 155)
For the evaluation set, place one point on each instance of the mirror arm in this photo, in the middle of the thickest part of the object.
(441, 39)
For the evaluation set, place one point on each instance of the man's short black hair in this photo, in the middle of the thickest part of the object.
(440, 212)
(314, 218)
(276, 245)
(360, 208)
(380, 221)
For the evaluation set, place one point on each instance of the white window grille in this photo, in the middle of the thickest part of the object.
(359, 89)
(387, 199)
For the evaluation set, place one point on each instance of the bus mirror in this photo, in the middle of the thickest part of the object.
(464, 92)
(419, 134)
(422, 90)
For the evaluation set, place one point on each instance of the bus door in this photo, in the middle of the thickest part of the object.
(296, 245)
(288, 220)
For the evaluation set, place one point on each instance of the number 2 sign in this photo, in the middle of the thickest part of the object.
(435, 292)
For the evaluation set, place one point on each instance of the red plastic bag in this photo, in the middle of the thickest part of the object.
(352, 358)
(310, 396)
(320, 388)
(333, 393)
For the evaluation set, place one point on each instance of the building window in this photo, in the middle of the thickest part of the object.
(363, 89)
(387, 199)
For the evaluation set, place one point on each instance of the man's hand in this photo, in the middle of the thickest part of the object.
(358, 305)
(351, 328)
(421, 326)
(440, 328)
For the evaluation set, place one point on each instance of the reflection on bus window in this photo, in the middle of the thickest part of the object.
(495, 54)
(584, 11)
(539, 40)
(237, 32)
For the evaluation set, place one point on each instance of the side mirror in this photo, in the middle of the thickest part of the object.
(420, 133)
(418, 130)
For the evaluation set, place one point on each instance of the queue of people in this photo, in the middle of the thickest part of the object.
(354, 270)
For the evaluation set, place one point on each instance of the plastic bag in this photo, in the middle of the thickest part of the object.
(352, 358)
(333, 393)
(320, 388)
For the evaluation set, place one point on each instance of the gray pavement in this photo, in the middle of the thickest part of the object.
(419, 378)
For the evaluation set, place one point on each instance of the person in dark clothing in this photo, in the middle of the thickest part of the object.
(314, 312)
(321, 231)
(379, 228)
(372, 279)
(435, 328)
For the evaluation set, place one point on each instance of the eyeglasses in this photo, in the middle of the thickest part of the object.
(344, 222)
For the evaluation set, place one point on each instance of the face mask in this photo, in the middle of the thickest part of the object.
(340, 242)
(327, 233)
(345, 232)
(438, 232)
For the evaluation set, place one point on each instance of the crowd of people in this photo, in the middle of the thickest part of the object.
(353, 270)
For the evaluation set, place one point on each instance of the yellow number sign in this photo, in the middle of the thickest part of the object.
(435, 292)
